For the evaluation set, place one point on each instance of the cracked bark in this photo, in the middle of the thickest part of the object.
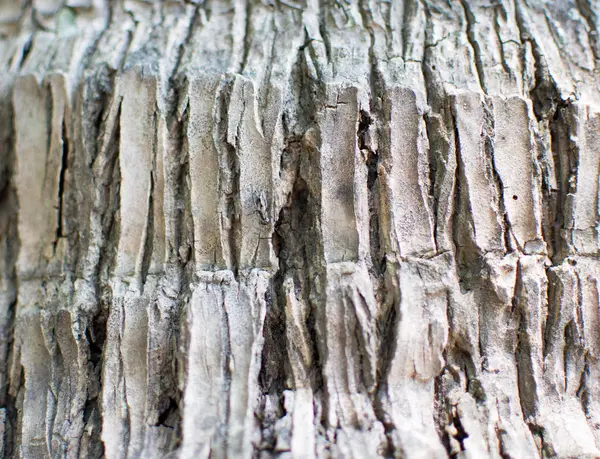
(299, 229)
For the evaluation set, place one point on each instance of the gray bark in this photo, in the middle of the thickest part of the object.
(299, 228)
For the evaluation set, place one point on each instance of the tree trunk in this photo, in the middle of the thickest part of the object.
(299, 229)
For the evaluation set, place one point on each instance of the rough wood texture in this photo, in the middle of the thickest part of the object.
(299, 228)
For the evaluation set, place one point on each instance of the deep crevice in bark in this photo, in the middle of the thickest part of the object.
(466, 253)
(373, 187)
(61, 185)
(95, 334)
(148, 236)
(229, 186)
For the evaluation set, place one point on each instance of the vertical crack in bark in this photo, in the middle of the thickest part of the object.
(373, 125)
(95, 334)
(582, 392)
(49, 107)
(553, 315)
(109, 208)
(441, 415)
(568, 339)
(148, 232)
(272, 376)
(100, 134)
(14, 407)
(25, 50)
(180, 248)
(524, 354)
(367, 128)
(48, 328)
(387, 328)
(474, 44)
(8, 400)
(148, 236)
(323, 28)
(372, 162)
(61, 184)
(240, 34)
(545, 94)
(126, 407)
(226, 370)
(274, 355)
(9, 287)
(177, 83)
(465, 253)
(561, 150)
(175, 287)
(229, 177)
(510, 242)
(551, 213)
(500, 10)
(285, 360)
(291, 238)
(247, 34)
(273, 372)
(432, 138)
(550, 112)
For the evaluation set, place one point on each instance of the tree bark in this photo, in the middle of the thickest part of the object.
(299, 229)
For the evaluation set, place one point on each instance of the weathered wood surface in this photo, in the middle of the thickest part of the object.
(362, 228)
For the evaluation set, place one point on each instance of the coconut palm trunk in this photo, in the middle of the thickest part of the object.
(299, 229)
